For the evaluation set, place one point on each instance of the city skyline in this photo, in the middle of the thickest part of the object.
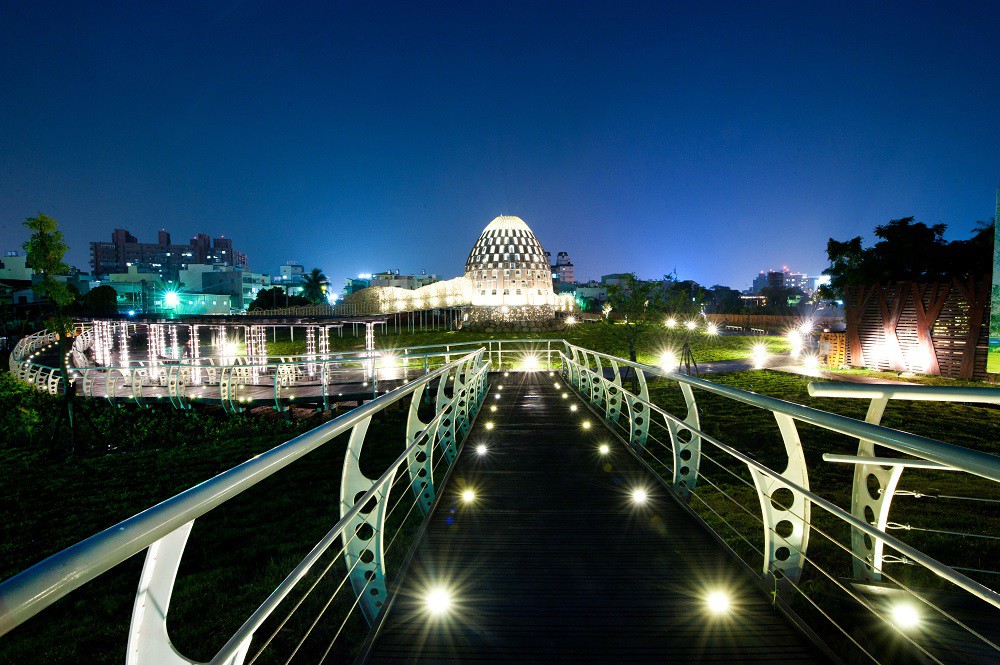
(712, 139)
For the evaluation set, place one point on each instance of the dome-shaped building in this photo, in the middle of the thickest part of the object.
(507, 266)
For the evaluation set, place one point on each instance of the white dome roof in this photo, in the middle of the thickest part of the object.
(507, 223)
(507, 265)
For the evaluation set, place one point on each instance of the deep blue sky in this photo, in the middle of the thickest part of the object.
(716, 139)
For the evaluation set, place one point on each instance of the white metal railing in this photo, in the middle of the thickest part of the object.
(458, 389)
(238, 382)
(677, 449)
(888, 470)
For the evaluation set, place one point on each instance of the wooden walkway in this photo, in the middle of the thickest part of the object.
(554, 562)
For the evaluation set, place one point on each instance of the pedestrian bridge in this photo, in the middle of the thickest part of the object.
(563, 514)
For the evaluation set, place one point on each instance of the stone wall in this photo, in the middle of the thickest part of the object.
(532, 318)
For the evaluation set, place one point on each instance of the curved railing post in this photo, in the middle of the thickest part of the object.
(686, 446)
(177, 376)
(613, 405)
(460, 398)
(135, 380)
(573, 369)
(148, 638)
(446, 430)
(871, 498)
(227, 389)
(326, 384)
(584, 377)
(598, 394)
(88, 382)
(363, 552)
(418, 460)
(785, 515)
(638, 412)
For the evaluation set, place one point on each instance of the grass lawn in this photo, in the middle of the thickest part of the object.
(596, 336)
(922, 379)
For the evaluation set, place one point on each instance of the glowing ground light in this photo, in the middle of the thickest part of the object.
(795, 341)
(759, 352)
(691, 325)
(438, 601)
(558, 386)
(586, 424)
(531, 363)
(171, 299)
(493, 407)
(639, 496)
(712, 329)
(570, 320)
(489, 425)
(604, 449)
(552, 373)
(481, 449)
(811, 363)
(718, 602)
(565, 395)
(671, 322)
(573, 408)
(905, 615)
(506, 373)
(496, 397)
(468, 496)
(668, 360)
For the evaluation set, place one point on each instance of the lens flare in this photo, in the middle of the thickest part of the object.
(718, 602)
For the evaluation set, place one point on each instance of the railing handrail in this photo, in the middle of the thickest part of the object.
(979, 590)
(918, 393)
(275, 598)
(971, 461)
(30, 591)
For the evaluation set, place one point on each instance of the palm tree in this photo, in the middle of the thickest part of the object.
(314, 286)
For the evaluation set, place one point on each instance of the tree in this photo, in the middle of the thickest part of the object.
(314, 286)
(907, 251)
(636, 310)
(724, 300)
(45, 249)
(778, 298)
(101, 302)
(275, 298)
(686, 297)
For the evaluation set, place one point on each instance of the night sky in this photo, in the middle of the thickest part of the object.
(717, 139)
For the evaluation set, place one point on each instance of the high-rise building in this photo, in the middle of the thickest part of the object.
(563, 270)
(162, 257)
(759, 283)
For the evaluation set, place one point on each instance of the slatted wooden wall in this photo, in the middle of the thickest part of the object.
(927, 328)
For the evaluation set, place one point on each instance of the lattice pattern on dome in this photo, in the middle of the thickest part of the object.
(507, 266)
